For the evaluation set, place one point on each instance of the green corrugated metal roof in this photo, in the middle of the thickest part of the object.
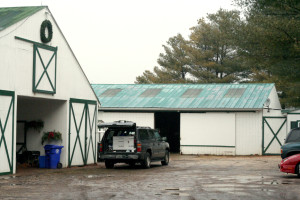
(212, 96)
(12, 15)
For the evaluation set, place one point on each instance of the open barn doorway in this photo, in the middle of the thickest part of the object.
(168, 123)
(35, 118)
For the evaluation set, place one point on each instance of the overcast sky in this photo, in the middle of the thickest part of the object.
(117, 40)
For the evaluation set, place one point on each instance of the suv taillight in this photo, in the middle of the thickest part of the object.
(139, 147)
(281, 151)
(100, 148)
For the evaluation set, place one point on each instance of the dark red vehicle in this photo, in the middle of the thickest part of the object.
(291, 165)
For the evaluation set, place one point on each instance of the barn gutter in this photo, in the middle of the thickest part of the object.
(181, 110)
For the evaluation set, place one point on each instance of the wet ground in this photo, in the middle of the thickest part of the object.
(186, 177)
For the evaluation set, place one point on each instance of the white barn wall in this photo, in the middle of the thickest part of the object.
(141, 119)
(17, 61)
(249, 133)
(275, 103)
(228, 151)
(274, 107)
(207, 133)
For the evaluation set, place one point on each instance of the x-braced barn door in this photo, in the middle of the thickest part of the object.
(274, 133)
(44, 69)
(82, 132)
(7, 109)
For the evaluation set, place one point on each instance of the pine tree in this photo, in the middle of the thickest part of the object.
(269, 44)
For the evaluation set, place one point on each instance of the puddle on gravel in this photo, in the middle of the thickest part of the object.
(98, 176)
(179, 189)
(92, 176)
(180, 194)
(15, 184)
(242, 189)
(8, 177)
(276, 182)
(172, 189)
(256, 180)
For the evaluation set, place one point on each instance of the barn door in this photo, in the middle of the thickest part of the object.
(44, 69)
(7, 107)
(274, 134)
(82, 132)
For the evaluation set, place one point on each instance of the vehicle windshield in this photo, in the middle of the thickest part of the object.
(294, 136)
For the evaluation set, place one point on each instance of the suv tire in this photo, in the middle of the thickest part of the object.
(166, 158)
(131, 164)
(147, 161)
(109, 164)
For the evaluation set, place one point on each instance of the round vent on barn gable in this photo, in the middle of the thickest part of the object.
(267, 103)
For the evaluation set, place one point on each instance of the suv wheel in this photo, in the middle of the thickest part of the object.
(147, 161)
(166, 158)
(109, 164)
(131, 164)
(298, 170)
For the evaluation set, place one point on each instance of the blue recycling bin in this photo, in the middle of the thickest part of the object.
(53, 156)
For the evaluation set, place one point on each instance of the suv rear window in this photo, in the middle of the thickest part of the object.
(118, 132)
(294, 136)
(143, 134)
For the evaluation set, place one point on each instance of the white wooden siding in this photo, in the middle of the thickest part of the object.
(141, 119)
(16, 61)
(274, 100)
(209, 130)
(249, 133)
(193, 150)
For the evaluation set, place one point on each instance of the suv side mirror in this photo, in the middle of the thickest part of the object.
(164, 139)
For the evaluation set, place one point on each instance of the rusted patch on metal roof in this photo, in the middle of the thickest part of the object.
(191, 93)
(151, 92)
(235, 92)
(110, 92)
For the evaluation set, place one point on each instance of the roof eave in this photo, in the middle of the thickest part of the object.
(182, 109)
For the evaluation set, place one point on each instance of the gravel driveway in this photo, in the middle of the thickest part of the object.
(186, 177)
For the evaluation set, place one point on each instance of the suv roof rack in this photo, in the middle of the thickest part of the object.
(120, 123)
(123, 121)
(145, 127)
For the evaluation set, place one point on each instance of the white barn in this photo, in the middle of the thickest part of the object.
(42, 81)
(293, 118)
(218, 119)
